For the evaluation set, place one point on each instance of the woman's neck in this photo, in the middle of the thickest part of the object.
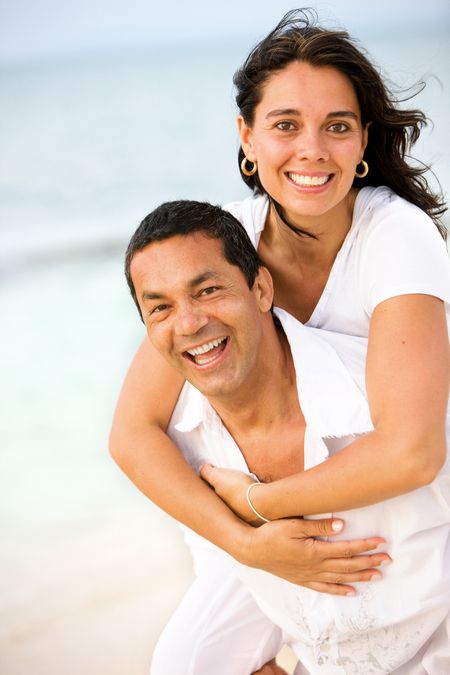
(311, 240)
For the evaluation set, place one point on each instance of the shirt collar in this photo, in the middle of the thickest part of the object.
(189, 409)
(330, 398)
(193, 409)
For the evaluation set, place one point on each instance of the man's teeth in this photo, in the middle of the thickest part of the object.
(206, 347)
(308, 180)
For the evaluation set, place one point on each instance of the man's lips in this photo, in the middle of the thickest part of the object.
(206, 352)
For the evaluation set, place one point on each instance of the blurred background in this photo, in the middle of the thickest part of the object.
(106, 109)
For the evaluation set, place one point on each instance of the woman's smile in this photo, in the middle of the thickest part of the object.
(307, 139)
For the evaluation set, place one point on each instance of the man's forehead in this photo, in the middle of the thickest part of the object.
(182, 259)
(186, 245)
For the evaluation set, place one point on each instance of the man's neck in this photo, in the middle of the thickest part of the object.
(268, 396)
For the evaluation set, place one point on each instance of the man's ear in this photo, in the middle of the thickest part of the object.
(245, 134)
(263, 289)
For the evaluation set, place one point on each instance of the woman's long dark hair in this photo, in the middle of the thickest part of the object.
(392, 131)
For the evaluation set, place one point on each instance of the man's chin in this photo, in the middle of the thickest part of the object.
(211, 386)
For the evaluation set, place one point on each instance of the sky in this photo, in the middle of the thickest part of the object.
(36, 29)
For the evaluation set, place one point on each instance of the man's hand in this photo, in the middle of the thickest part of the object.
(290, 549)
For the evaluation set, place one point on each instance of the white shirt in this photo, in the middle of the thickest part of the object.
(388, 621)
(392, 248)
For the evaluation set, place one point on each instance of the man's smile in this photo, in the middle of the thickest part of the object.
(207, 352)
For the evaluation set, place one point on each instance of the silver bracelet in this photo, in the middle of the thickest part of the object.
(249, 489)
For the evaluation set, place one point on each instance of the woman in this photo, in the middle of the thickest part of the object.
(345, 226)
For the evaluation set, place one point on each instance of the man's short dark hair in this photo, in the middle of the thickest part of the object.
(184, 217)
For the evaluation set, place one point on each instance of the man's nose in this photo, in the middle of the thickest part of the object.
(190, 318)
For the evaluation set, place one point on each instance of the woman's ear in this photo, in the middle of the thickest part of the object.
(365, 139)
(263, 289)
(245, 134)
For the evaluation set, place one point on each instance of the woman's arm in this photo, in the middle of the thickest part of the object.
(145, 453)
(407, 377)
(142, 449)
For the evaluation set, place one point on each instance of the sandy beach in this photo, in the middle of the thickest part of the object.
(95, 603)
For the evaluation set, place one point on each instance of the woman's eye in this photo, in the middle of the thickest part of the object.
(285, 126)
(338, 127)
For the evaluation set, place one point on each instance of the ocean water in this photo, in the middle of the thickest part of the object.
(88, 147)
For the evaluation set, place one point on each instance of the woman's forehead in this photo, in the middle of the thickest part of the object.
(300, 82)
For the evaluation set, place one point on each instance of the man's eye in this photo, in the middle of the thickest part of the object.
(209, 290)
(158, 309)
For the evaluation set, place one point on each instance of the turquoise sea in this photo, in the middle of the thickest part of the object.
(88, 146)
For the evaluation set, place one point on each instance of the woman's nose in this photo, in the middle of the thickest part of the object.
(312, 146)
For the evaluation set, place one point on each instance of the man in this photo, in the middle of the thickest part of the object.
(206, 302)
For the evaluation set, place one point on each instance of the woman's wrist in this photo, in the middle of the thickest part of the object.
(262, 499)
(249, 497)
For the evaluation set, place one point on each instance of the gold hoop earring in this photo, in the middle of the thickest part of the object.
(365, 170)
(248, 172)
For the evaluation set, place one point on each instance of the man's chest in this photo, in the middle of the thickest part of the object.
(270, 456)
(276, 454)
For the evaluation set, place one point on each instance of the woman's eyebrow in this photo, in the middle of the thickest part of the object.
(294, 111)
(343, 113)
(283, 111)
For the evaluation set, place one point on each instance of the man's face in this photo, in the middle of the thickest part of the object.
(199, 312)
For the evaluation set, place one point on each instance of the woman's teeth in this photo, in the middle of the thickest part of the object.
(308, 180)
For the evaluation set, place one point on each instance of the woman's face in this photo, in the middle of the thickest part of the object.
(308, 139)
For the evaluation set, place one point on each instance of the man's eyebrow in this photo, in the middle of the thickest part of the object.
(196, 281)
(149, 295)
(205, 276)
(294, 111)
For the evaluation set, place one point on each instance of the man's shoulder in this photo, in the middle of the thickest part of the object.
(330, 378)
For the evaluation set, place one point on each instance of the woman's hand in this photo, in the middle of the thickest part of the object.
(231, 486)
(294, 549)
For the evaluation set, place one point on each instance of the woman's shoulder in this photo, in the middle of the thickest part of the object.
(397, 248)
(381, 213)
(251, 213)
(380, 202)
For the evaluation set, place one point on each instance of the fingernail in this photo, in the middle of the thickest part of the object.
(386, 561)
(337, 525)
(375, 577)
(350, 593)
